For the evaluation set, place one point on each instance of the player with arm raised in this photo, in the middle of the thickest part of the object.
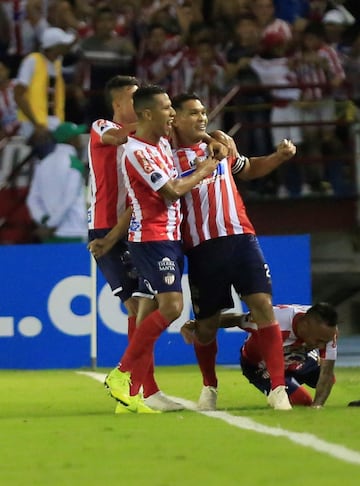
(222, 247)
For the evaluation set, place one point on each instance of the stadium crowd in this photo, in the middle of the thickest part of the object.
(279, 69)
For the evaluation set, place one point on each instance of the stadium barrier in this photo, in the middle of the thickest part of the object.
(46, 307)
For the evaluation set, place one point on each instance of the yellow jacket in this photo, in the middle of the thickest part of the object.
(37, 93)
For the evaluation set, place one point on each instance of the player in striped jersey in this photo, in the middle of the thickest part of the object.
(154, 234)
(109, 215)
(309, 337)
(222, 247)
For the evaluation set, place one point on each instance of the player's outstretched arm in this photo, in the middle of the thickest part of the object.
(262, 166)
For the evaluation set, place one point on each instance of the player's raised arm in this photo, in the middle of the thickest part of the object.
(261, 166)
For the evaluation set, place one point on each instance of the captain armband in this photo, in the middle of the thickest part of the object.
(239, 164)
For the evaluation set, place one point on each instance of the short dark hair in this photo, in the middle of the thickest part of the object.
(325, 312)
(144, 96)
(178, 100)
(119, 81)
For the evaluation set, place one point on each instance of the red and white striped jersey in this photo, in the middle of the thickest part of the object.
(146, 169)
(214, 207)
(108, 192)
(285, 315)
(308, 73)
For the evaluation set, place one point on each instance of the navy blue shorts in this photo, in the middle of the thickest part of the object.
(117, 267)
(218, 264)
(308, 373)
(160, 264)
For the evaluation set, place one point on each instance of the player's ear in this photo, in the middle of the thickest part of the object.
(147, 114)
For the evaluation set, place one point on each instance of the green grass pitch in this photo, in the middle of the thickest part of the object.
(58, 428)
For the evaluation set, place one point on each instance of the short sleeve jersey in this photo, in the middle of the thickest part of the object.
(146, 169)
(214, 207)
(108, 192)
(285, 315)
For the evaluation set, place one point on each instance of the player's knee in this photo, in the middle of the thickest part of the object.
(300, 397)
(261, 308)
(205, 335)
(172, 309)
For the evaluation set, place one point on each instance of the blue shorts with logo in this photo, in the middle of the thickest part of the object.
(117, 267)
(160, 265)
(218, 264)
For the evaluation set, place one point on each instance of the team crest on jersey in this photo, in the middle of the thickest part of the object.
(145, 164)
(134, 225)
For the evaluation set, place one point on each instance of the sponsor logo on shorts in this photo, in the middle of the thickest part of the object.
(166, 265)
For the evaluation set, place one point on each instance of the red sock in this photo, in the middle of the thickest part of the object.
(131, 327)
(149, 384)
(137, 356)
(271, 348)
(300, 397)
(206, 357)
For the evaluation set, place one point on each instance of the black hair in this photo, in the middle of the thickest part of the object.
(178, 100)
(326, 312)
(119, 81)
(144, 96)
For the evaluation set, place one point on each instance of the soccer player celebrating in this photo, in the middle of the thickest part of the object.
(109, 215)
(221, 245)
(154, 234)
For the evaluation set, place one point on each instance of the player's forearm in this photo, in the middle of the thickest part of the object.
(120, 229)
(322, 393)
(262, 166)
(118, 136)
(180, 187)
(114, 139)
(325, 383)
(177, 188)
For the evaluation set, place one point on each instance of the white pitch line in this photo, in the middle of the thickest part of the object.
(303, 439)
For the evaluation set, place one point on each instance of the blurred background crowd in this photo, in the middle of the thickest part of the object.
(265, 70)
